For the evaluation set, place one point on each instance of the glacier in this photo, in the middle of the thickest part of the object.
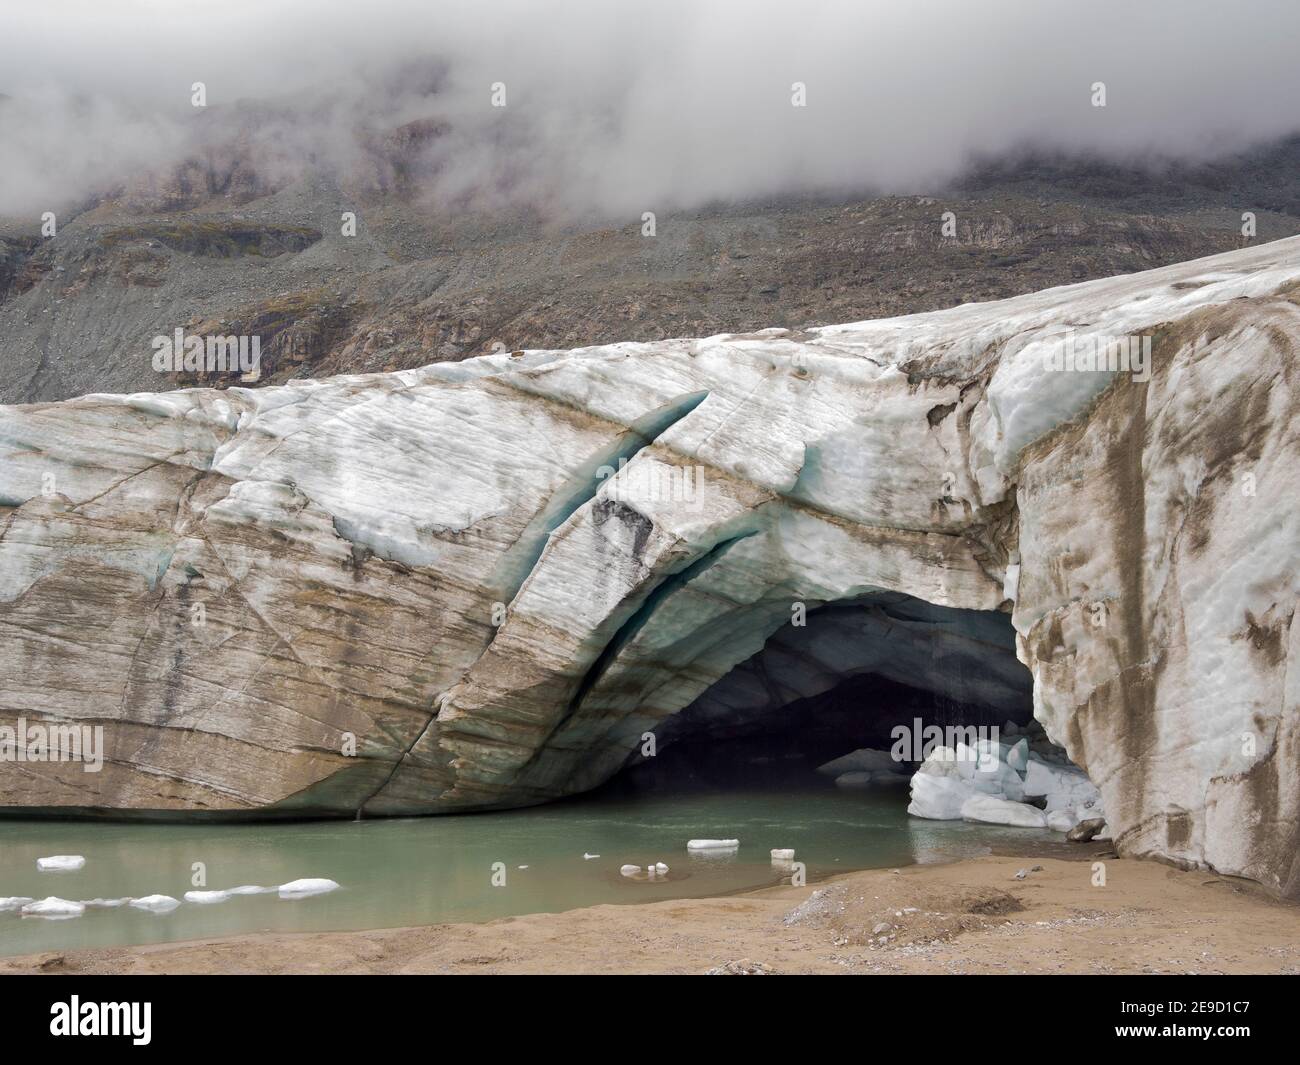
(482, 584)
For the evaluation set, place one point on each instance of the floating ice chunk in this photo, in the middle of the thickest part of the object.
(53, 907)
(1017, 756)
(206, 898)
(155, 903)
(712, 844)
(937, 796)
(630, 870)
(1061, 820)
(523, 867)
(996, 769)
(301, 889)
(588, 857)
(107, 904)
(660, 868)
(251, 889)
(60, 863)
(950, 778)
(16, 902)
(857, 779)
(1062, 786)
(783, 854)
(990, 810)
(864, 760)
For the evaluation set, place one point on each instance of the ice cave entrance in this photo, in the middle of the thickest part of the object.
(840, 683)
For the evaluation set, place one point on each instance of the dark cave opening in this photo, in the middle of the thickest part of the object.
(839, 683)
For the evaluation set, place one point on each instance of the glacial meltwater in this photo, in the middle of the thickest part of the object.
(437, 869)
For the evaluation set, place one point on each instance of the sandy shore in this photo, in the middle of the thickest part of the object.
(971, 916)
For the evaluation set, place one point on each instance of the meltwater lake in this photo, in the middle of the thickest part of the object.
(431, 870)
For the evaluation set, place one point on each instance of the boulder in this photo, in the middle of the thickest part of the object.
(1085, 831)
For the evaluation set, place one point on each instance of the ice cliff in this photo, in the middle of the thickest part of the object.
(480, 584)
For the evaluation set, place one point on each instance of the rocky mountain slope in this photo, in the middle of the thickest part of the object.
(482, 583)
(217, 247)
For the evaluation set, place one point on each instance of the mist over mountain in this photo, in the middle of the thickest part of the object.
(618, 108)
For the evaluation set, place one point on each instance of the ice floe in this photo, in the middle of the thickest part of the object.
(301, 889)
(60, 863)
(207, 898)
(54, 907)
(155, 903)
(652, 871)
(712, 844)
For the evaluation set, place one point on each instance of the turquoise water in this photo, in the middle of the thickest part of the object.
(437, 869)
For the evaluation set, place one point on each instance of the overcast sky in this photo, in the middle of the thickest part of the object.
(631, 105)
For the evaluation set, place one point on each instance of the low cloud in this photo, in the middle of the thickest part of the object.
(620, 106)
